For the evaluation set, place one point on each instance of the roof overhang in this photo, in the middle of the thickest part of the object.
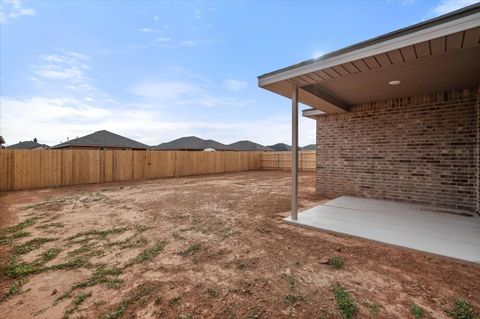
(432, 56)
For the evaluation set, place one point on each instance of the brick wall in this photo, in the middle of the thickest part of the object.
(420, 149)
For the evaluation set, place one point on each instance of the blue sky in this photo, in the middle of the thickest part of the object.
(155, 71)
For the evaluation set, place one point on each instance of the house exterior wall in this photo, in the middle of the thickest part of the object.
(421, 149)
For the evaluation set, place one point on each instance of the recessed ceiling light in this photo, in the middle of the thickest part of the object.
(394, 82)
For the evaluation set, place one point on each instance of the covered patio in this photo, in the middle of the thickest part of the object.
(450, 233)
(397, 136)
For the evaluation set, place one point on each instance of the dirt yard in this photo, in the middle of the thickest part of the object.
(206, 247)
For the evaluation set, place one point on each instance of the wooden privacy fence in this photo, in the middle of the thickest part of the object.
(27, 169)
(283, 160)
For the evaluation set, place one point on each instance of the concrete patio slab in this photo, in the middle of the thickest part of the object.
(450, 233)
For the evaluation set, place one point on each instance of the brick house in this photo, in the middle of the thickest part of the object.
(398, 116)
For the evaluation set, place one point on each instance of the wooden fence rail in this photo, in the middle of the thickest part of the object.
(29, 169)
(283, 160)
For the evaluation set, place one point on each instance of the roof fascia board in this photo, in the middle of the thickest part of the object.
(453, 26)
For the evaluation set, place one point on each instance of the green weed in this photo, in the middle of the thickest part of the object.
(76, 302)
(192, 249)
(462, 309)
(416, 311)
(345, 303)
(147, 254)
(336, 262)
(31, 245)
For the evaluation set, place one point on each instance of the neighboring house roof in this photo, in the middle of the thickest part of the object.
(309, 147)
(280, 147)
(248, 146)
(191, 143)
(103, 139)
(27, 145)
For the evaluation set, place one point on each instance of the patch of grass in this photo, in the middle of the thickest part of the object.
(77, 262)
(26, 223)
(14, 289)
(31, 245)
(254, 314)
(292, 299)
(416, 311)
(51, 205)
(9, 239)
(139, 295)
(175, 301)
(50, 225)
(76, 302)
(374, 309)
(101, 275)
(87, 250)
(192, 249)
(7, 235)
(147, 254)
(49, 255)
(129, 243)
(82, 250)
(20, 234)
(291, 282)
(17, 270)
(213, 292)
(345, 303)
(102, 234)
(336, 262)
(462, 309)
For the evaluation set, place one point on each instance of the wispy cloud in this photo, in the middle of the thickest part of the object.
(446, 6)
(168, 42)
(198, 14)
(193, 93)
(14, 9)
(69, 68)
(234, 85)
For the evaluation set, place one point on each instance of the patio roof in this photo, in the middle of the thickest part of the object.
(435, 55)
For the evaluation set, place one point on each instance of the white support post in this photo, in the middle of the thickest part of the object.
(295, 154)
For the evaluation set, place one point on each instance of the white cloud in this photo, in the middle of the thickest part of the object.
(183, 93)
(53, 120)
(167, 90)
(446, 6)
(198, 14)
(146, 30)
(156, 18)
(168, 42)
(234, 85)
(69, 70)
(14, 9)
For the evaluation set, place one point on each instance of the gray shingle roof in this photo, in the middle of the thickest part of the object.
(248, 146)
(191, 143)
(103, 139)
(280, 147)
(27, 145)
(310, 147)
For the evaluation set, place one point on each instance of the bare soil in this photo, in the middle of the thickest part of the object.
(204, 247)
